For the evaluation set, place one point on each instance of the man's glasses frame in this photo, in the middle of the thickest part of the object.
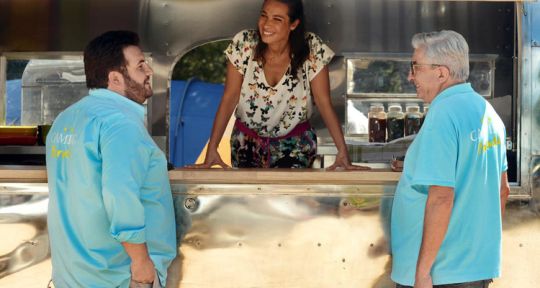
(414, 64)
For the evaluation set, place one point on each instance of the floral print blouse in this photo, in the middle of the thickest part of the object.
(273, 111)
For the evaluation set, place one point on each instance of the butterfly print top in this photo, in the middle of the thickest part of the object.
(273, 111)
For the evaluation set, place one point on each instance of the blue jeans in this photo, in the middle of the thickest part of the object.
(475, 284)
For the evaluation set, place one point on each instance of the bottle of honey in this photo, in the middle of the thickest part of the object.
(413, 119)
(377, 123)
(395, 122)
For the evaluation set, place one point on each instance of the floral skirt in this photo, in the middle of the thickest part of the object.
(294, 150)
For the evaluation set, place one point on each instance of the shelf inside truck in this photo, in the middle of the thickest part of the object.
(22, 150)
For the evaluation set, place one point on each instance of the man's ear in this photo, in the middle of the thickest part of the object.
(115, 79)
(444, 73)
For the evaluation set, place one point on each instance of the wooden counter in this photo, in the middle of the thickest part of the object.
(37, 174)
(283, 176)
(23, 174)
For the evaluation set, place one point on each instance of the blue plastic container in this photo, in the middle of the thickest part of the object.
(13, 103)
(193, 107)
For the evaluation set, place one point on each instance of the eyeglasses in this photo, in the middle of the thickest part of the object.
(414, 64)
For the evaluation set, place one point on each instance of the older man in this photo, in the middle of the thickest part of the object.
(446, 216)
(111, 217)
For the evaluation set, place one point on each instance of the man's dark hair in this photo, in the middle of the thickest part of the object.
(105, 54)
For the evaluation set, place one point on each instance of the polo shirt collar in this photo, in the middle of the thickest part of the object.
(452, 90)
(131, 105)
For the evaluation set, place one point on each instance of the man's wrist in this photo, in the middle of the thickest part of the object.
(137, 252)
(140, 258)
(422, 273)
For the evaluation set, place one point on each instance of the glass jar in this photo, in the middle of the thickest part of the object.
(395, 122)
(413, 120)
(377, 123)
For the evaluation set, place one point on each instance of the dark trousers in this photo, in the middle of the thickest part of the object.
(475, 284)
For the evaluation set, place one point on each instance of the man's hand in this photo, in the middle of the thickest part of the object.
(396, 165)
(142, 267)
(423, 282)
(143, 271)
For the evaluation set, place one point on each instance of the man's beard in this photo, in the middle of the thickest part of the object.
(135, 91)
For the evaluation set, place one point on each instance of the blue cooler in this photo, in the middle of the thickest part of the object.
(13, 102)
(193, 107)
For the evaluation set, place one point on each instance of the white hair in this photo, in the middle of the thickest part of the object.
(447, 48)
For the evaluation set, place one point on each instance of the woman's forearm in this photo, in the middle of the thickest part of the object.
(230, 99)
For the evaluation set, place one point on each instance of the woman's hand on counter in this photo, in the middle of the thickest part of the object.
(343, 162)
(212, 158)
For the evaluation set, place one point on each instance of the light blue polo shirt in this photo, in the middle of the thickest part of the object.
(108, 184)
(461, 145)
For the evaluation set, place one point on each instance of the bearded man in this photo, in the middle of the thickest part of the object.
(111, 217)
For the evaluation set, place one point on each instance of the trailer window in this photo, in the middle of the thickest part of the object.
(196, 90)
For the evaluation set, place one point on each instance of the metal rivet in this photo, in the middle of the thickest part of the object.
(191, 204)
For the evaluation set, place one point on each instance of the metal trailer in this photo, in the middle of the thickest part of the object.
(273, 228)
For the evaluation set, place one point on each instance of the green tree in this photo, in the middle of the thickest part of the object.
(206, 62)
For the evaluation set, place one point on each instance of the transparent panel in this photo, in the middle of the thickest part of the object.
(386, 75)
(481, 77)
(48, 87)
(383, 76)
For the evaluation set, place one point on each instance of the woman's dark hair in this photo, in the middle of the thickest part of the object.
(299, 47)
(105, 54)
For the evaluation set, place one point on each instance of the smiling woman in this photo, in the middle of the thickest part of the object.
(273, 74)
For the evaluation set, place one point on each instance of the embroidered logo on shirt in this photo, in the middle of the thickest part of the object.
(65, 138)
(485, 136)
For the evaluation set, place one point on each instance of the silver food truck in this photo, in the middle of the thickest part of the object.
(264, 227)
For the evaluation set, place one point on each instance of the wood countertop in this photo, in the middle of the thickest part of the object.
(37, 174)
(282, 176)
(23, 174)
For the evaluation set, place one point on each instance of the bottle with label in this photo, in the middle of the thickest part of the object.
(377, 123)
(413, 120)
(395, 121)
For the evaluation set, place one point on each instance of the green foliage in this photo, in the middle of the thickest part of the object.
(206, 62)
(383, 76)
